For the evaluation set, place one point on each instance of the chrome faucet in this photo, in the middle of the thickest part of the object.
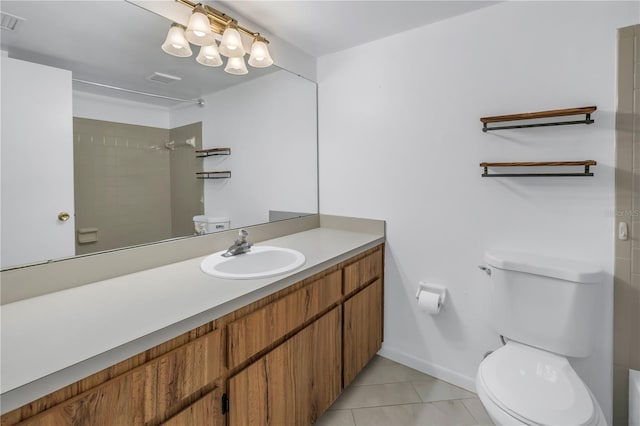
(241, 245)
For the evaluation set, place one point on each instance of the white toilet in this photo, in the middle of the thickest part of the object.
(543, 307)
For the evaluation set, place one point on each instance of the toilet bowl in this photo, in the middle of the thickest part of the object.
(545, 308)
(522, 385)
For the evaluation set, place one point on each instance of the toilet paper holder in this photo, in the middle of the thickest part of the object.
(432, 288)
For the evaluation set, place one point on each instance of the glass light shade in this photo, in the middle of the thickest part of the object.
(209, 56)
(231, 44)
(176, 44)
(260, 57)
(199, 29)
(236, 66)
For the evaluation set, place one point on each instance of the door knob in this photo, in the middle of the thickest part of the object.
(63, 216)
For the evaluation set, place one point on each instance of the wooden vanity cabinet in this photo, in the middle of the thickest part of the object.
(281, 360)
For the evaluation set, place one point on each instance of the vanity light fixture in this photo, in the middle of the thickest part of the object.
(206, 25)
(176, 43)
(236, 66)
(231, 43)
(260, 57)
(209, 56)
(199, 29)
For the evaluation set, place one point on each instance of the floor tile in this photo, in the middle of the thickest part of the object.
(336, 418)
(438, 413)
(376, 395)
(382, 370)
(475, 407)
(435, 390)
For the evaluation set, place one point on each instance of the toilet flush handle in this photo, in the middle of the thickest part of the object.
(485, 269)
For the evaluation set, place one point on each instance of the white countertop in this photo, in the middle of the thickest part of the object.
(55, 339)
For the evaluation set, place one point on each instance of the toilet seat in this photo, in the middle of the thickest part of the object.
(536, 387)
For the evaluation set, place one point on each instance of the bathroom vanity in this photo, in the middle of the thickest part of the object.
(280, 353)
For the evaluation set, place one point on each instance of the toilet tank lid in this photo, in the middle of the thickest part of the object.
(554, 267)
(210, 219)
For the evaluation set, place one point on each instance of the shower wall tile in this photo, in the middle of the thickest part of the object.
(627, 265)
(621, 293)
(634, 320)
(126, 179)
(621, 394)
(187, 191)
(111, 192)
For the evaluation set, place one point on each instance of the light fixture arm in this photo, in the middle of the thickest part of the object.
(220, 20)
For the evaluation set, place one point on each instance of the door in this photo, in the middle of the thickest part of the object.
(36, 152)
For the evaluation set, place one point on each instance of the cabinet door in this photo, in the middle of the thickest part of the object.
(362, 329)
(207, 411)
(294, 383)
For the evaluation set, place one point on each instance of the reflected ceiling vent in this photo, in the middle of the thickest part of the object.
(159, 77)
(9, 22)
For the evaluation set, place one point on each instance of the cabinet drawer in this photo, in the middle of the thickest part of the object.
(362, 272)
(249, 335)
(145, 394)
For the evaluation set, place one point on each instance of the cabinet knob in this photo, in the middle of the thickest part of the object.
(63, 216)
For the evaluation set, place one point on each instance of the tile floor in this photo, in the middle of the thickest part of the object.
(386, 393)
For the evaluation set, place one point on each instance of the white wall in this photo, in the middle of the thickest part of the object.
(269, 124)
(107, 108)
(401, 140)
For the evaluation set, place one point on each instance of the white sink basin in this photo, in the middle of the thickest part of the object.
(260, 262)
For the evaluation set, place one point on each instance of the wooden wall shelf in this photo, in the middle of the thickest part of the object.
(538, 115)
(203, 153)
(214, 175)
(586, 164)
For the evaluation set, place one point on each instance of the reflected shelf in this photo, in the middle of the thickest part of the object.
(213, 175)
(203, 153)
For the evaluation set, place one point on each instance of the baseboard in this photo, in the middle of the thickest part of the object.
(437, 371)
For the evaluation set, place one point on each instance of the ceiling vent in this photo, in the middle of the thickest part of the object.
(9, 22)
(163, 78)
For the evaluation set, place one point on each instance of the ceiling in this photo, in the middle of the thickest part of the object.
(117, 43)
(321, 27)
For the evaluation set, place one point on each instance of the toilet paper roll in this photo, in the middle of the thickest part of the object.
(430, 302)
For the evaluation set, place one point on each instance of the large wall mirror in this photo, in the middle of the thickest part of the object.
(87, 167)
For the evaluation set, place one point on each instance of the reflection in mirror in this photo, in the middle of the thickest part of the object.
(127, 168)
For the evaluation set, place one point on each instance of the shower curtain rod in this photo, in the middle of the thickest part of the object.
(153, 95)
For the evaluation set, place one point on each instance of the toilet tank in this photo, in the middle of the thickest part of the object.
(546, 302)
(207, 224)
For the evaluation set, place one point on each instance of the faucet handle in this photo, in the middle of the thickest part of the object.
(243, 234)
